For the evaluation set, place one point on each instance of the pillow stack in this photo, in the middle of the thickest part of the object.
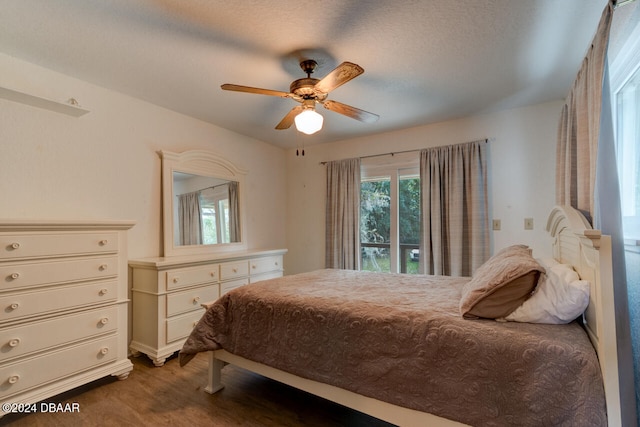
(513, 286)
(501, 284)
(560, 297)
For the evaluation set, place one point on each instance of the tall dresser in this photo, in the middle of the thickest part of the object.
(168, 293)
(63, 305)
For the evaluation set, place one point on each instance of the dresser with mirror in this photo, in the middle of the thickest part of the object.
(205, 252)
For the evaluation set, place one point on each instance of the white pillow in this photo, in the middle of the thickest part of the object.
(559, 298)
(547, 263)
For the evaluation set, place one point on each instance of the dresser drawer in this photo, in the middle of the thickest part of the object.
(26, 275)
(16, 246)
(234, 270)
(33, 372)
(191, 276)
(265, 276)
(61, 298)
(227, 286)
(56, 331)
(180, 327)
(189, 300)
(266, 264)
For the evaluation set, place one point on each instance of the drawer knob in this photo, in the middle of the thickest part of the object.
(235, 270)
(196, 299)
(15, 245)
(14, 276)
(276, 263)
(104, 320)
(104, 350)
(103, 291)
(213, 274)
(103, 242)
(253, 266)
(14, 306)
(103, 267)
(176, 280)
(14, 342)
(14, 379)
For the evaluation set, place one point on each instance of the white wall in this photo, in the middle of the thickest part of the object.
(521, 182)
(104, 165)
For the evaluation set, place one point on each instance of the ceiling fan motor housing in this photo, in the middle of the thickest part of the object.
(305, 89)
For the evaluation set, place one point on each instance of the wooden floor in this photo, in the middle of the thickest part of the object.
(174, 396)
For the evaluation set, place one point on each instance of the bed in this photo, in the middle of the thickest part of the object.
(410, 358)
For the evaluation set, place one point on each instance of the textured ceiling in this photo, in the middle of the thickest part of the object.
(425, 61)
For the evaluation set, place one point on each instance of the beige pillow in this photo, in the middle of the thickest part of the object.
(501, 284)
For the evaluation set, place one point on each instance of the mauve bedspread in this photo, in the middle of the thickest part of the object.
(401, 339)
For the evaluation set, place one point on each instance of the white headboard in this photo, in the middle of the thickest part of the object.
(589, 252)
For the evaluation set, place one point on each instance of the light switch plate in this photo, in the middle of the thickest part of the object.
(528, 223)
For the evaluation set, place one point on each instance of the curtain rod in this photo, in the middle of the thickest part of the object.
(392, 153)
(202, 189)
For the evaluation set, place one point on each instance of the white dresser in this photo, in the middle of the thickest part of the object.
(168, 292)
(63, 302)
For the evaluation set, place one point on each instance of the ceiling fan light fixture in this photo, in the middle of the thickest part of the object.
(309, 121)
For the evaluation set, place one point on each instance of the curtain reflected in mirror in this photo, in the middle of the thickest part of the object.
(189, 219)
(234, 212)
(207, 210)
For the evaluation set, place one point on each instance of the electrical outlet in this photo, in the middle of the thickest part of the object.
(496, 224)
(528, 223)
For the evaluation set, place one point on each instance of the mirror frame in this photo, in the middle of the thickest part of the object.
(204, 163)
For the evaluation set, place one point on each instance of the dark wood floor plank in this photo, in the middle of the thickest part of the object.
(174, 396)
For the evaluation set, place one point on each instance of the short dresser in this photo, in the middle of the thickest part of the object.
(168, 293)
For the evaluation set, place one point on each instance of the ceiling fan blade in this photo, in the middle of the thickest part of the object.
(339, 76)
(349, 111)
(287, 121)
(259, 91)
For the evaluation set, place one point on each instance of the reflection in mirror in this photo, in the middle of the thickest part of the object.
(202, 204)
(207, 210)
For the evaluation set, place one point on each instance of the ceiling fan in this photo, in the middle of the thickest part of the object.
(310, 91)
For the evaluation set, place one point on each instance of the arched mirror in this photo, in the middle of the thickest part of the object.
(203, 209)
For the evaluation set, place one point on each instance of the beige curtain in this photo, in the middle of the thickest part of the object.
(189, 219)
(579, 126)
(234, 212)
(586, 140)
(455, 220)
(343, 215)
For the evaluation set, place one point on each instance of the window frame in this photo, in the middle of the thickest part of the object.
(625, 65)
(390, 167)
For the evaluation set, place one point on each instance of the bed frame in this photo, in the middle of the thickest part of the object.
(589, 252)
(574, 243)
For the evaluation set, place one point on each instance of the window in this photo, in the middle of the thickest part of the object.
(625, 86)
(209, 229)
(390, 215)
(627, 100)
(375, 224)
(214, 205)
